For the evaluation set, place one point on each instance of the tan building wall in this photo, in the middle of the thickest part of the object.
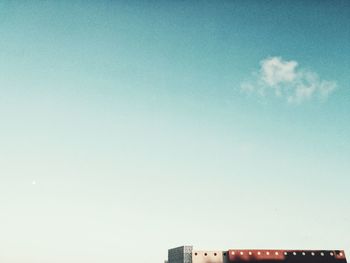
(213, 256)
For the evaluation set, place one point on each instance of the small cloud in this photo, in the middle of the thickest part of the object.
(286, 80)
(275, 71)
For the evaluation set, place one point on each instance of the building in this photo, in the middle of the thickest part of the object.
(186, 254)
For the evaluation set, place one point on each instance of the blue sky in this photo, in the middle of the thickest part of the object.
(126, 128)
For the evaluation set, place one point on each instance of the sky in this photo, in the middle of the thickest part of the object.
(131, 127)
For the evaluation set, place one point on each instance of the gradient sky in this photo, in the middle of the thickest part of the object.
(124, 129)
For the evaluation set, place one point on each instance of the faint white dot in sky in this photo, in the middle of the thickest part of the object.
(33, 182)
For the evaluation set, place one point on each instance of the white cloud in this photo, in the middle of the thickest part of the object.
(284, 79)
(275, 71)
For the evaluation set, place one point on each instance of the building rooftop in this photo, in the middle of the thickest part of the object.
(186, 254)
